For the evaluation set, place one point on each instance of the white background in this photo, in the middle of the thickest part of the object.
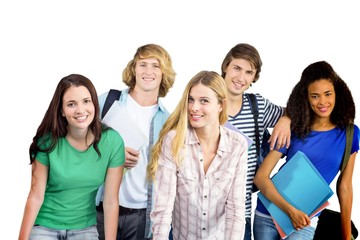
(43, 41)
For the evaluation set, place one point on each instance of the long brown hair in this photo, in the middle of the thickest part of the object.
(54, 125)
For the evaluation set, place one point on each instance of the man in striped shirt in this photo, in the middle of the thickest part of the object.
(241, 68)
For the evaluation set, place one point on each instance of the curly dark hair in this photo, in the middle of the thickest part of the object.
(298, 107)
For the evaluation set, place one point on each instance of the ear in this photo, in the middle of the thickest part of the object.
(222, 105)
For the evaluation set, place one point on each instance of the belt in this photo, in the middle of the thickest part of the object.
(128, 211)
(100, 208)
(122, 210)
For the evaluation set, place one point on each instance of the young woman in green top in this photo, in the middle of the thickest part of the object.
(71, 155)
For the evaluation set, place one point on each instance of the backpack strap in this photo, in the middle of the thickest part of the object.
(349, 138)
(113, 95)
(255, 111)
(347, 152)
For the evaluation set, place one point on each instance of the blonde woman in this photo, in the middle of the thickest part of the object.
(199, 167)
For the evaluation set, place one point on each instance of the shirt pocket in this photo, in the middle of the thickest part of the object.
(187, 181)
(222, 182)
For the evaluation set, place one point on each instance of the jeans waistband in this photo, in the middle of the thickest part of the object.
(122, 210)
(127, 211)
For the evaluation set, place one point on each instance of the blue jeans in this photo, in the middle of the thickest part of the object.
(264, 229)
(247, 228)
(44, 233)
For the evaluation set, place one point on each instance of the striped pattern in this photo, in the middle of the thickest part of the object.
(269, 114)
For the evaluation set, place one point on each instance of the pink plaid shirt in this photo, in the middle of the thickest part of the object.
(199, 205)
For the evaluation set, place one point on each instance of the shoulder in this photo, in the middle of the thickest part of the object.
(162, 108)
(263, 100)
(170, 135)
(356, 134)
(111, 134)
(232, 135)
(168, 138)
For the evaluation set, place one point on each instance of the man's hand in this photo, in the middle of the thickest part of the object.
(281, 134)
(131, 157)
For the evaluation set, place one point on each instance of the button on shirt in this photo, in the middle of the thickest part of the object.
(199, 205)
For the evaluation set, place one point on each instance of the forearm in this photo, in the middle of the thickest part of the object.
(30, 213)
(268, 189)
(345, 202)
(111, 218)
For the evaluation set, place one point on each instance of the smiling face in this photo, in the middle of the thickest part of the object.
(203, 108)
(78, 108)
(148, 75)
(321, 96)
(239, 76)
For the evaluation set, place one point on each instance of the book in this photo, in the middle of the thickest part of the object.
(301, 185)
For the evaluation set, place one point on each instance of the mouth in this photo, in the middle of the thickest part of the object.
(196, 116)
(81, 118)
(238, 84)
(148, 79)
(322, 109)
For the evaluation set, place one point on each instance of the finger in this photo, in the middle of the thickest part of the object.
(288, 141)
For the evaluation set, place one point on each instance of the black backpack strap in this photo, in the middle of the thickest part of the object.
(113, 95)
(255, 112)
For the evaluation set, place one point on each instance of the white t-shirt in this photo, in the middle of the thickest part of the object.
(133, 190)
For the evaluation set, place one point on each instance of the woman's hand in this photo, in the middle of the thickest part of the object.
(299, 219)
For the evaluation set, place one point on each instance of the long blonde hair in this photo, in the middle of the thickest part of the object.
(178, 120)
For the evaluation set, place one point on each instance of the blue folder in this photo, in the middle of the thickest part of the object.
(300, 184)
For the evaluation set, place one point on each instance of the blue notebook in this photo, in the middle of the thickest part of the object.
(300, 184)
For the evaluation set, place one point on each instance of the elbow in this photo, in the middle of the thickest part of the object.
(345, 190)
(257, 181)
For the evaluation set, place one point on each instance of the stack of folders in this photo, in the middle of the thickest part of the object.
(301, 185)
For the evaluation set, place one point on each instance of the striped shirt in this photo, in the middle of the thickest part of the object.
(269, 114)
(201, 205)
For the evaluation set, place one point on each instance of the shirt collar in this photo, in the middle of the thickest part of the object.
(126, 93)
(224, 145)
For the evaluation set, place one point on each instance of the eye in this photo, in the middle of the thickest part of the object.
(314, 96)
(87, 101)
(203, 101)
(190, 100)
(328, 94)
(250, 73)
(70, 105)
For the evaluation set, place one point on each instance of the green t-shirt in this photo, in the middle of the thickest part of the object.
(73, 181)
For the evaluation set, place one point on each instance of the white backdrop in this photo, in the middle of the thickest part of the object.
(42, 41)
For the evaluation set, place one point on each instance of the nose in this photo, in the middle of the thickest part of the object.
(149, 70)
(195, 106)
(322, 100)
(241, 77)
(80, 108)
